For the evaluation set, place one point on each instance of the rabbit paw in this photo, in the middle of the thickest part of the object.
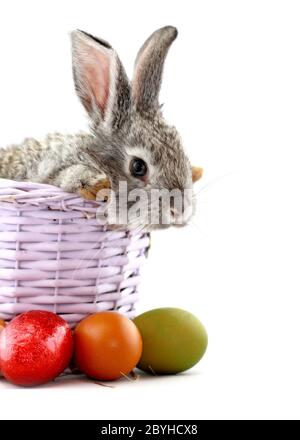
(89, 192)
(197, 173)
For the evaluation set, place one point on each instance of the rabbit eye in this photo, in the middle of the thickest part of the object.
(138, 168)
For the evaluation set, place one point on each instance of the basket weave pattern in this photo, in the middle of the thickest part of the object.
(55, 256)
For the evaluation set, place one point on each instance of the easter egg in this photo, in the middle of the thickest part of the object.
(108, 345)
(2, 325)
(35, 347)
(174, 340)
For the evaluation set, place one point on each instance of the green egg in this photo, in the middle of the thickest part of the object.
(174, 340)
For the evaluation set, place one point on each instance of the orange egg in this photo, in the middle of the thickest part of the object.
(108, 345)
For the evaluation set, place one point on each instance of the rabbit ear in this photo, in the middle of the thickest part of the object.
(149, 68)
(100, 80)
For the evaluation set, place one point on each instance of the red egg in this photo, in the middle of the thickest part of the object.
(2, 325)
(35, 347)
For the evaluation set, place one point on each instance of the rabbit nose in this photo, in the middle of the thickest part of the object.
(176, 217)
(174, 213)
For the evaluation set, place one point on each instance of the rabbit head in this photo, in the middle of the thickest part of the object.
(132, 141)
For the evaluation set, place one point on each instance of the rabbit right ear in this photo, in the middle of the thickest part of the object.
(149, 68)
(100, 80)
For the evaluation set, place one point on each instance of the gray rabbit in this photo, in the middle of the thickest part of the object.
(129, 139)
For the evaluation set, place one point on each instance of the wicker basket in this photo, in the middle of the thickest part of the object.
(55, 256)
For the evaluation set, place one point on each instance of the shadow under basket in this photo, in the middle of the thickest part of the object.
(55, 256)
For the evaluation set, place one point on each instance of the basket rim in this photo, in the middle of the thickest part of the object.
(34, 193)
(29, 185)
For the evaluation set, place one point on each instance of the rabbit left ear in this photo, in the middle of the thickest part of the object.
(197, 173)
(100, 80)
(149, 68)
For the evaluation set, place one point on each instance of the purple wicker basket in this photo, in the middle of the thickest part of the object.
(55, 256)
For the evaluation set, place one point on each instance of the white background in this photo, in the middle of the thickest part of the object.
(232, 87)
